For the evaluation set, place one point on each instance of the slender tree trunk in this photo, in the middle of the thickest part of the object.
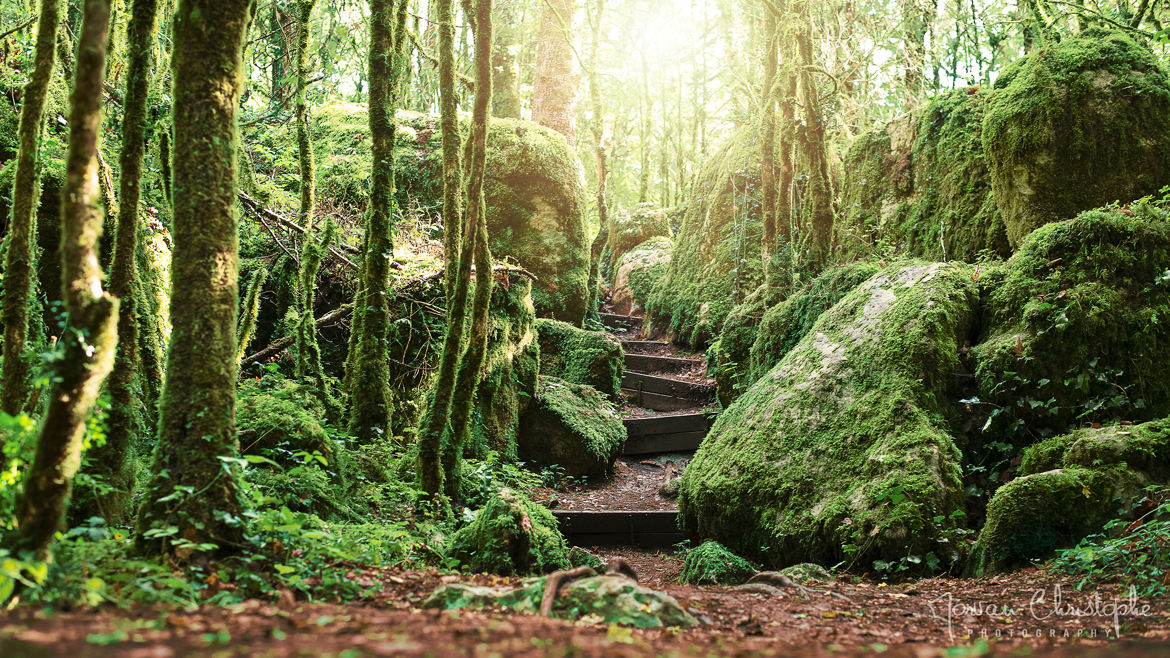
(768, 139)
(457, 249)
(370, 391)
(195, 488)
(600, 159)
(505, 60)
(114, 460)
(93, 315)
(554, 92)
(18, 266)
(645, 106)
(820, 191)
(473, 358)
(304, 139)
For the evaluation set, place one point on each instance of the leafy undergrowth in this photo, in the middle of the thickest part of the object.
(1133, 552)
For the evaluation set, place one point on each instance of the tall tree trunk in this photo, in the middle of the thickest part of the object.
(819, 189)
(91, 334)
(505, 60)
(645, 107)
(304, 140)
(114, 460)
(18, 266)
(473, 358)
(768, 139)
(457, 248)
(195, 488)
(370, 391)
(601, 160)
(554, 92)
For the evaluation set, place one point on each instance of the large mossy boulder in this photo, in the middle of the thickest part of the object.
(631, 227)
(848, 440)
(716, 260)
(1069, 487)
(1074, 325)
(573, 426)
(510, 536)
(593, 358)
(533, 189)
(1075, 125)
(637, 272)
(712, 564)
(921, 185)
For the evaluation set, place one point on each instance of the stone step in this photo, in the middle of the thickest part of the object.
(649, 363)
(622, 322)
(637, 528)
(677, 388)
(643, 346)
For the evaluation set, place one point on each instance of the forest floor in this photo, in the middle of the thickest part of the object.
(933, 617)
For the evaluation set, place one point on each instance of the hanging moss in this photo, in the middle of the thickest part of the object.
(921, 185)
(1076, 125)
(581, 356)
(510, 535)
(712, 564)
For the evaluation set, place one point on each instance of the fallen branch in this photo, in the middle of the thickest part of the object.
(279, 345)
(260, 210)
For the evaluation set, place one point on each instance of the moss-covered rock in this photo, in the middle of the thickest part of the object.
(637, 272)
(510, 535)
(784, 325)
(533, 189)
(728, 356)
(716, 260)
(712, 564)
(573, 426)
(1069, 486)
(634, 226)
(612, 598)
(278, 423)
(848, 440)
(807, 571)
(1074, 325)
(593, 358)
(1076, 125)
(921, 185)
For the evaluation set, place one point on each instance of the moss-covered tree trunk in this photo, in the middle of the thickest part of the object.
(304, 140)
(457, 245)
(471, 365)
(193, 499)
(369, 379)
(554, 90)
(505, 60)
(601, 160)
(113, 460)
(768, 139)
(819, 189)
(91, 334)
(18, 265)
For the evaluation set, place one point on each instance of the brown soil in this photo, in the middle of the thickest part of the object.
(839, 618)
(634, 486)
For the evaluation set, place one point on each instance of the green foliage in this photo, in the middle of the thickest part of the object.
(510, 535)
(712, 564)
(1134, 552)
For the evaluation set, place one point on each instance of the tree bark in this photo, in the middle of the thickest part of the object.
(192, 504)
(18, 266)
(505, 63)
(554, 91)
(91, 335)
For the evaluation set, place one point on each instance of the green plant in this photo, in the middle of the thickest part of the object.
(1132, 551)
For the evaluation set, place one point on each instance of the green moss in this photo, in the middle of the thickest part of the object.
(535, 199)
(784, 325)
(638, 271)
(280, 423)
(510, 535)
(632, 227)
(573, 426)
(1031, 516)
(580, 356)
(1065, 319)
(712, 564)
(716, 259)
(921, 185)
(848, 440)
(1077, 125)
(730, 353)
